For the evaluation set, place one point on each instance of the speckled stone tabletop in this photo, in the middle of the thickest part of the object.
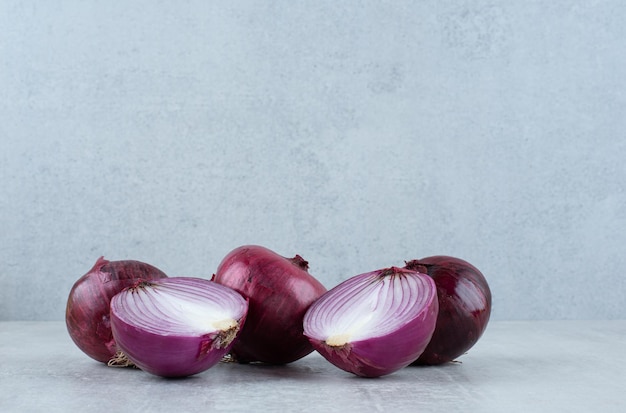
(552, 366)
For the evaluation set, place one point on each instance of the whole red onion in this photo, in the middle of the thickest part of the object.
(279, 290)
(87, 312)
(464, 307)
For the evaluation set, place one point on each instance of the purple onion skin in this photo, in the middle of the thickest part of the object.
(279, 291)
(464, 307)
(87, 312)
(177, 361)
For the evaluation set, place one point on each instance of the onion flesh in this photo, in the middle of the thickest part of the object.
(87, 310)
(177, 326)
(279, 290)
(375, 323)
(464, 307)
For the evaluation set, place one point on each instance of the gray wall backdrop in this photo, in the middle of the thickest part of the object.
(357, 134)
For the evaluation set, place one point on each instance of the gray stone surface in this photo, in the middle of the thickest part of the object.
(357, 136)
(518, 366)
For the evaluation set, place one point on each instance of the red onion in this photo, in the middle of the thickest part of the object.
(464, 307)
(375, 323)
(87, 311)
(279, 290)
(176, 327)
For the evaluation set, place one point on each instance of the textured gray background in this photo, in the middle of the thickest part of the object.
(357, 134)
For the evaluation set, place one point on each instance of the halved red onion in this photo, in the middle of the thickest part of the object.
(374, 323)
(177, 327)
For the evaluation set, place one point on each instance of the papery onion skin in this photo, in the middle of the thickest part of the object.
(279, 290)
(464, 307)
(168, 353)
(87, 310)
(378, 355)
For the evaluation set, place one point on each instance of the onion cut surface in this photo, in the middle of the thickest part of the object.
(374, 323)
(177, 326)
